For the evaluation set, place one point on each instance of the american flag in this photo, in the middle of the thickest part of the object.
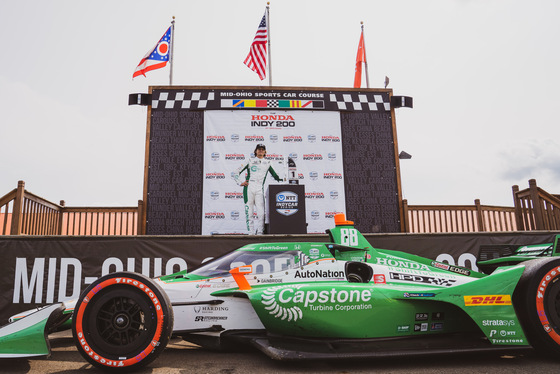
(256, 59)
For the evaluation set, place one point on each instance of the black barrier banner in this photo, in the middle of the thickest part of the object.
(36, 271)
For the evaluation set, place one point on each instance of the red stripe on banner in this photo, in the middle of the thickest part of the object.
(307, 103)
(261, 103)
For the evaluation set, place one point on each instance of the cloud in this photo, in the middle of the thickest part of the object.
(532, 159)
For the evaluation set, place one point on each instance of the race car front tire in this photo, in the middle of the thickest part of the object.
(537, 302)
(123, 320)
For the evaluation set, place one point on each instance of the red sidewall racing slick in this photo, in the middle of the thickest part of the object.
(123, 320)
(537, 300)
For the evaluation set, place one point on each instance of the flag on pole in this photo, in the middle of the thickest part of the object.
(157, 57)
(256, 59)
(360, 58)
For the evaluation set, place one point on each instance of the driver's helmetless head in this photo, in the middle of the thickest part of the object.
(261, 147)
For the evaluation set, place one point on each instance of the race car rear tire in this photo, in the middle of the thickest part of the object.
(123, 320)
(537, 302)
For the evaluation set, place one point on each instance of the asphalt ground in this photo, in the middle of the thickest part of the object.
(183, 357)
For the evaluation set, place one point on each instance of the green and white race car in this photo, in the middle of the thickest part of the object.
(307, 301)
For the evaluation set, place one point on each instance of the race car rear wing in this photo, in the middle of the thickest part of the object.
(491, 256)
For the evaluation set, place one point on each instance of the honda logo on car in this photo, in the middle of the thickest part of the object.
(479, 300)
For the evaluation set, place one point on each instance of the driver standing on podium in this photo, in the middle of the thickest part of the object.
(253, 188)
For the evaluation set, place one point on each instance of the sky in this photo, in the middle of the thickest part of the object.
(484, 75)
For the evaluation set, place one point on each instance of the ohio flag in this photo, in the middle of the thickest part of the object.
(157, 57)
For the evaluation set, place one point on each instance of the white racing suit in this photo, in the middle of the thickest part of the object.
(253, 194)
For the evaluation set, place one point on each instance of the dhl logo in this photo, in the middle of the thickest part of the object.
(487, 300)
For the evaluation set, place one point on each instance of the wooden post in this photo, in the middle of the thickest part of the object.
(17, 212)
(518, 209)
(139, 223)
(537, 206)
(61, 216)
(479, 215)
(405, 215)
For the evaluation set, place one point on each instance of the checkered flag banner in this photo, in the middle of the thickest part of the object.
(360, 101)
(182, 100)
(201, 99)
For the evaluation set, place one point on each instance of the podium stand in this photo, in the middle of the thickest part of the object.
(286, 209)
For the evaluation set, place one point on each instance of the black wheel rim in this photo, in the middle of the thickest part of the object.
(120, 323)
(552, 304)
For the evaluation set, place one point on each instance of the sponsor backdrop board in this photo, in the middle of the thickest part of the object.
(343, 143)
(311, 139)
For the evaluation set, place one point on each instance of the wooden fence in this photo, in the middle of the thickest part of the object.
(458, 218)
(24, 213)
(534, 209)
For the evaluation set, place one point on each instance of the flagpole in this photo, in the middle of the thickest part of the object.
(365, 62)
(269, 50)
(171, 51)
